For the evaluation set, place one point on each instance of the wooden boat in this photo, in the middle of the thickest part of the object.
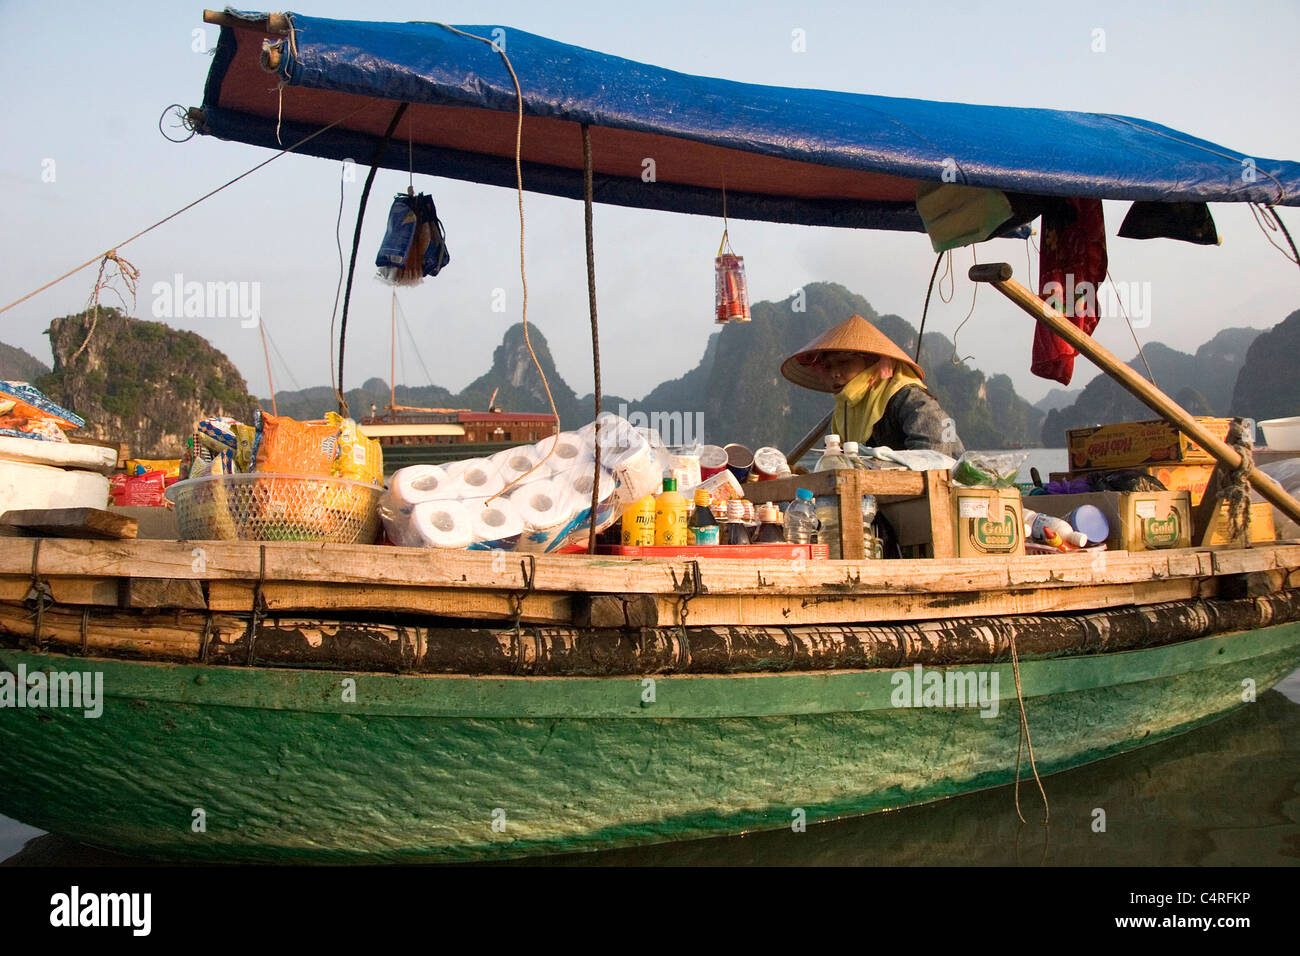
(290, 702)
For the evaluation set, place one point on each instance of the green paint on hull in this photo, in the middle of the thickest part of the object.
(286, 770)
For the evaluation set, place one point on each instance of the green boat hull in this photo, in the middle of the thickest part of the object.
(275, 765)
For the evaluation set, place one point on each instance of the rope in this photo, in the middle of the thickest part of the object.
(1238, 493)
(926, 308)
(208, 195)
(1024, 740)
(595, 332)
(975, 291)
(1131, 331)
(356, 243)
(1267, 219)
(523, 277)
(129, 275)
(338, 289)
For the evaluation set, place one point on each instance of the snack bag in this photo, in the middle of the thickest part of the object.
(141, 490)
(359, 458)
(289, 447)
(245, 437)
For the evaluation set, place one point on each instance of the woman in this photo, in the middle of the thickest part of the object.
(880, 394)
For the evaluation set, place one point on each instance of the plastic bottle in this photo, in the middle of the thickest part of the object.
(1053, 530)
(639, 523)
(734, 531)
(703, 527)
(855, 459)
(833, 457)
(828, 516)
(871, 545)
(801, 518)
(670, 516)
(770, 530)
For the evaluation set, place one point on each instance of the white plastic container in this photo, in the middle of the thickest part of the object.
(1282, 434)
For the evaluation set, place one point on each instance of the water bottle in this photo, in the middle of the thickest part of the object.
(833, 457)
(828, 517)
(801, 518)
(855, 459)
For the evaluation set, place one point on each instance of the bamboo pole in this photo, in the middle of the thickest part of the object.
(807, 441)
(998, 274)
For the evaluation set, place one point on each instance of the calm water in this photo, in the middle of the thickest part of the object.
(1223, 795)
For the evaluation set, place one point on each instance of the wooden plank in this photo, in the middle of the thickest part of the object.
(237, 596)
(891, 484)
(70, 523)
(470, 570)
(161, 592)
(101, 592)
(789, 610)
(848, 489)
(938, 493)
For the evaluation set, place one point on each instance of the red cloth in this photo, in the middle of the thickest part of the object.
(1072, 267)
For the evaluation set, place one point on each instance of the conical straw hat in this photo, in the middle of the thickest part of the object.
(855, 334)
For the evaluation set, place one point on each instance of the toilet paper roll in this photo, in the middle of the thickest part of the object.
(442, 524)
(496, 524)
(409, 486)
(581, 488)
(515, 463)
(570, 450)
(477, 478)
(542, 504)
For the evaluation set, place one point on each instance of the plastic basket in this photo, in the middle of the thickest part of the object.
(271, 507)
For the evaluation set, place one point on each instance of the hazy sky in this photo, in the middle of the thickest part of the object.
(85, 83)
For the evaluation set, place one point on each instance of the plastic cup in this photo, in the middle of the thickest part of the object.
(740, 460)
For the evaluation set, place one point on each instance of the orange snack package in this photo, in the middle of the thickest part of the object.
(289, 447)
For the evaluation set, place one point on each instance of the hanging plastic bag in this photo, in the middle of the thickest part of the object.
(415, 244)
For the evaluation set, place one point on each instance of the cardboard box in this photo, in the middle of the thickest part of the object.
(1139, 520)
(1261, 524)
(1132, 444)
(988, 521)
(1190, 478)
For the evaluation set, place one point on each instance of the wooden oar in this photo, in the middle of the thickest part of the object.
(808, 440)
(998, 274)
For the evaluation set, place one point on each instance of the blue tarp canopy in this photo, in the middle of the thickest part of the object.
(667, 140)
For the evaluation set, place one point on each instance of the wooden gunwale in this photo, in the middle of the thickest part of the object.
(367, 565)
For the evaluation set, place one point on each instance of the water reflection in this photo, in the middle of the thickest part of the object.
(1224, 795)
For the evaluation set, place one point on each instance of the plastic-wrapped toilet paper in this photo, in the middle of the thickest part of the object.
(415, 483)
(442, 524)
(636, 471)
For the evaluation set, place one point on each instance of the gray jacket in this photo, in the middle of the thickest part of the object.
(914, 419)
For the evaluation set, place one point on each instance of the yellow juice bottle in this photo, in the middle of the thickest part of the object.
(639, 523)
(671, 513)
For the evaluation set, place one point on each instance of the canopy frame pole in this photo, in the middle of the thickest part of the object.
(595, 333)
(356, 242)
(998, 275)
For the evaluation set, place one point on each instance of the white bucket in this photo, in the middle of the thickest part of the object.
(1282, 434)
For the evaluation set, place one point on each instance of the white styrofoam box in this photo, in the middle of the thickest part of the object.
(60, 454)
(26, 485)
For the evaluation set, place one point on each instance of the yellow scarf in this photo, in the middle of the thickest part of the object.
(861, 403)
